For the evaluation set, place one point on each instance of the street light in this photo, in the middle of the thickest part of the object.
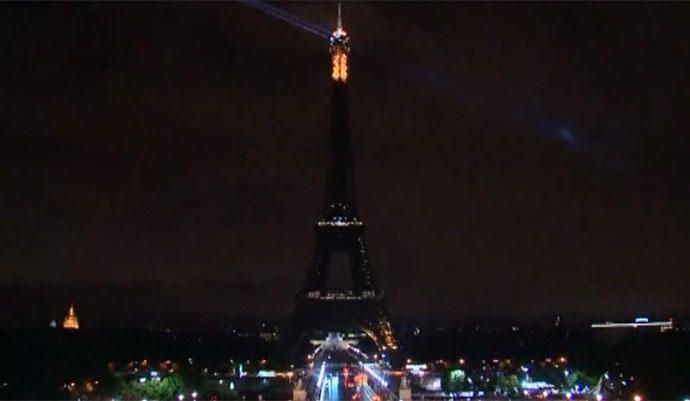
(180, 397)
(194, 394)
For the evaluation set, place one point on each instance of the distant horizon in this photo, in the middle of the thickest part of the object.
(31, 305)
(251, 321)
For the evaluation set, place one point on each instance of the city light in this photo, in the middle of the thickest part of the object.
(322, 394)
(71, 321)
(322, 371)
(663, 325)
(375, 375)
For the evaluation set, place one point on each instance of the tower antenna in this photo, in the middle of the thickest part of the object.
(340, 17)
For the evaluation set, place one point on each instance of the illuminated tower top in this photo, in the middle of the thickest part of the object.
(340, 206)
(71, 322)
(340, 48)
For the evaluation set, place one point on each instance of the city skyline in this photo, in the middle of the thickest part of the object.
(167, 161)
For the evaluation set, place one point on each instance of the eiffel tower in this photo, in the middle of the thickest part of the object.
(322, 308)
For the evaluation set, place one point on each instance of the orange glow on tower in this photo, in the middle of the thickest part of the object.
(340, 48)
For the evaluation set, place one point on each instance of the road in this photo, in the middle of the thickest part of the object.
(339, 381)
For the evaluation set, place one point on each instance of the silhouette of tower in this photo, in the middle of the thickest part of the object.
(322, 305)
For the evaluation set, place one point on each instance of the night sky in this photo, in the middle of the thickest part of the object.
(165, 162)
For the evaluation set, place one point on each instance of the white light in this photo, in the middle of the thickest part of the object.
(321, 373)
(374, 374)
(568, 395)
(323, 393)
(600, 397)
(142, 380)
(180, 397)
(194, 394)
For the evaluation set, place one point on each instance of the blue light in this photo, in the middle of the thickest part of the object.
(567, 136)
(291, 19)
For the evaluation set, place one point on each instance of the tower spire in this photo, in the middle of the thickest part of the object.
(340, 17)
(340, 48)
(340, 201)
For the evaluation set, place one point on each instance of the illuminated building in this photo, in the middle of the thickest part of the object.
(71, 321)
(639, 323)
(357, 305)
